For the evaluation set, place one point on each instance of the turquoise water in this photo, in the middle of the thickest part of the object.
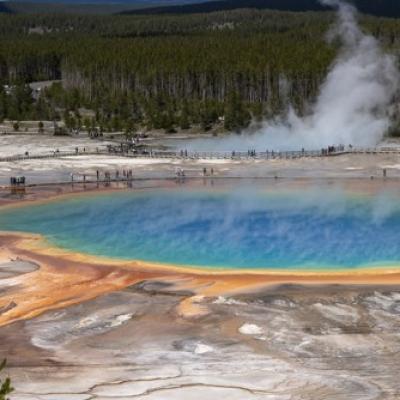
(251, 228)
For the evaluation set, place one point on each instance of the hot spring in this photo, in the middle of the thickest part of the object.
(251, 227)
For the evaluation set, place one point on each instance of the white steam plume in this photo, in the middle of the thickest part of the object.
(351, 108)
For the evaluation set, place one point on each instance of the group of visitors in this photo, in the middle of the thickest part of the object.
(125, 175)
(118, 175)
(180, 173)
(77, 150)
(334, 149)
(205, 171)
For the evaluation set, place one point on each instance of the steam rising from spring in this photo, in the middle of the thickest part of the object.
(353, 103)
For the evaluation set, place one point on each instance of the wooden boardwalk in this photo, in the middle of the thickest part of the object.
(195, 155)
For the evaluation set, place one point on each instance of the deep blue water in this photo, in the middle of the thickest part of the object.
(306, 228)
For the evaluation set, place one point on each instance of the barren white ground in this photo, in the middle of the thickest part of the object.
(60, 169)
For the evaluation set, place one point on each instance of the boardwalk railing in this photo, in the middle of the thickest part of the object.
(196, 155)
(59, 154)
(231, 154)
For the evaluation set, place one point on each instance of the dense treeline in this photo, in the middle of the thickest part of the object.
(168, 71)
(158, 25)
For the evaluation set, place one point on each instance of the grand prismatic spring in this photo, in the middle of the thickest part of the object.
(256, 228)
(200, 206)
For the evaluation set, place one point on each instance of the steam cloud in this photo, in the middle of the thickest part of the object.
(351, 108)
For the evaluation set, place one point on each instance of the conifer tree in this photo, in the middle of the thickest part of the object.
(5, 384)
